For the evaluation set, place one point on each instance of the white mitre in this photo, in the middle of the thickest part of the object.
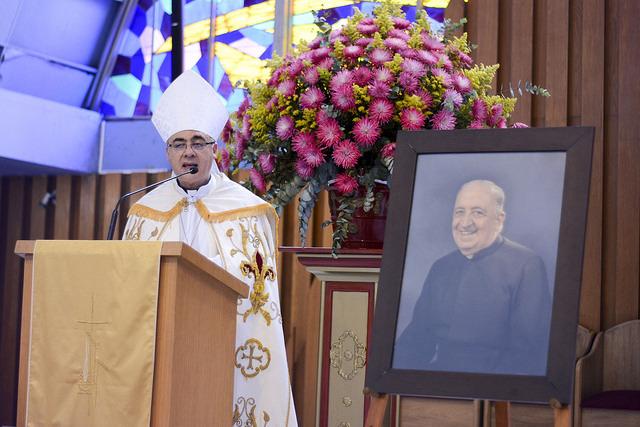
(190, 103)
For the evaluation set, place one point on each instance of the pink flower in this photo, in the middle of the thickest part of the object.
(383, 75)
(284, 127)
(312, 98)
(443, 120)
(400, 23)
(379, 89)
(340, 37)
(367, 20)
(495, 115)
(267, 162)
(452, 96)
(319, 54)
(364, 42)
(414, 67)
(425, 97)
(381, 110)
(462, 83)
(241, 145)
(465, 59)
(313, 155)
(476, 124)
(345, 184)
(322, 117)
(257, 180)
(431, 43)
(295, 68)
(311, 75)
(326, 63)
(362, 75)
(346, 154)
(303, 142)
(343, 98)
(444, 77)
(246, 127)
(519, 125)
(275, 78)
(315, 43)
(427, 57)
(366, 132)
(379, 56)
(409, 82)
(244, 105)
(446, 63)
(395, 44)
(409, 53)
(303, 169)
(366, 29)
(342, 78)
(287, 88)
(411, 119)
(329, 132)
(389, 150)
(399, 34)
(502, 123)
(353, 52)
(225, 161)
(479, 110)
(271, 103)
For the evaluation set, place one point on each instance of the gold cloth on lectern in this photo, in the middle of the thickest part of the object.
(93, 333)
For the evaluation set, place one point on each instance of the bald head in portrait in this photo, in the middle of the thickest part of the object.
(486, 306)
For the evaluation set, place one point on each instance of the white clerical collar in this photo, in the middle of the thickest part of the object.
(195, 195)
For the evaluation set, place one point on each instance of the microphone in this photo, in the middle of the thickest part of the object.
(116, 210)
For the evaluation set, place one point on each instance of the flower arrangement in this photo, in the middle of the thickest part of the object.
(329, 113)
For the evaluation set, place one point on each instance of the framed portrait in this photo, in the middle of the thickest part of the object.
(480, 278)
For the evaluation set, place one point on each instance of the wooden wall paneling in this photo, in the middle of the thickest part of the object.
(14, 207)
(87, 202)
(627, 174)
(515, 50)
(455, 11)
(131, 182)
(621, 186)
(322, 236)
(37, 213)
(110, 192)
(586, 107)
(62, 222)
(556, 41)
(482, 27)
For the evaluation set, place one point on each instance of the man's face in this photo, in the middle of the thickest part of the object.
(476, 222)
(185, 149)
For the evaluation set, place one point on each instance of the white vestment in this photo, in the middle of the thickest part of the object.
(237, 230)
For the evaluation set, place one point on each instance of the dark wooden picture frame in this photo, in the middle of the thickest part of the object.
(556, 383)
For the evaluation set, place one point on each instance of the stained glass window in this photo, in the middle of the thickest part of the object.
(241, 36)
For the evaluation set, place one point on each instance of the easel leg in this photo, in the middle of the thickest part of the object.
(377, 408)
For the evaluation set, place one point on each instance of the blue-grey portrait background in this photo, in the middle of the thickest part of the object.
(533, 184)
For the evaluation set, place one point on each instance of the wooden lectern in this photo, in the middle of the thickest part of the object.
(193, 375)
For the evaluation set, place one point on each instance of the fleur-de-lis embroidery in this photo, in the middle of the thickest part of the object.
(244, 413)
(258, 297)
(254, 267)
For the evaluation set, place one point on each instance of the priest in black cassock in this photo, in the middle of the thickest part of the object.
(485, 307)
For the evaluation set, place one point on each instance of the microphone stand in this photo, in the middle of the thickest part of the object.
(116, 210)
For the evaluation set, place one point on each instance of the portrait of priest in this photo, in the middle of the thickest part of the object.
(230, 226)
(486, 306)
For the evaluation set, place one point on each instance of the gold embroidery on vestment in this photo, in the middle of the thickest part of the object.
(157, 215)
(244, 413)
(252, 358)
(255, 267)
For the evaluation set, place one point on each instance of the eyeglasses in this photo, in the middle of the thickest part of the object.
(179, 147)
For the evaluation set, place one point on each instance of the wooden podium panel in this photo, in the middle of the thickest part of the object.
(195, 338)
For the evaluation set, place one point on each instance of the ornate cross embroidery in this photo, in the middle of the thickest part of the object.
(89, 381)
(252, 358)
